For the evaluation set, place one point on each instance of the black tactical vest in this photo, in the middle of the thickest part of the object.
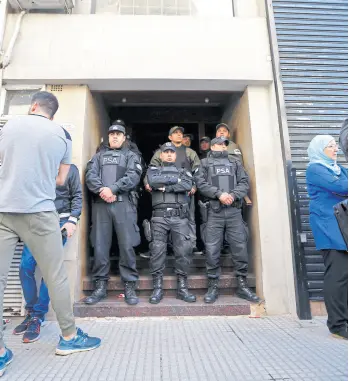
(161, 200)
(182, 160)
(221, 172)
(113, 166)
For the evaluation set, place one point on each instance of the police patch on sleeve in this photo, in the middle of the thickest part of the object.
(237, 152)
(189, 174)
(139, 167)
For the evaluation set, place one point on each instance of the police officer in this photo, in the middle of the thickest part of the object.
(222, 130)
(185, 158)
(188, 139)
(205, 146)
(170, 189)
(111, 175)
(223, 181)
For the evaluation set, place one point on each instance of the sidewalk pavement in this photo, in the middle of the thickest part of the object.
(186, 349)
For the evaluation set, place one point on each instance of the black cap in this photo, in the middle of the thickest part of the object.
(190, 136)
(168, 147)
(222, 125)
(117, 127)
(206, 139)
(220, 140)
(174, 129)
(119, 122)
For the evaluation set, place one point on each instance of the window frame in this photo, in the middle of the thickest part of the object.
(6, 88)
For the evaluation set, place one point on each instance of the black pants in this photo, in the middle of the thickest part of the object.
(227, 223)
(123, 217)
(192, 223)
(336, 288)
(182, 247)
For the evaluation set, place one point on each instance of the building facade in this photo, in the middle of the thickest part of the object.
(312, 40)
(153, 63)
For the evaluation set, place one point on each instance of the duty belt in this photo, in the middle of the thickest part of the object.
(169, 212)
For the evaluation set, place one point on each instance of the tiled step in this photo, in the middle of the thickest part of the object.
(170, 306)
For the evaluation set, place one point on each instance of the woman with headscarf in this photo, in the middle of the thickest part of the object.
(327, 184)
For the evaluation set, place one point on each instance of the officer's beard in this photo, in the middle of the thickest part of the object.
(219, 154)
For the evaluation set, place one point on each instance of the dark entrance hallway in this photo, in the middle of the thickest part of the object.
(149, 126)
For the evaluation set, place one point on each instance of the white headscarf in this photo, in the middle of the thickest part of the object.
(317, 155)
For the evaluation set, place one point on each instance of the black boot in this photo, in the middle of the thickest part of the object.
(182, 290)
(98, 294)
(130, 293)
(196, 251)
(158, 292)
(212, 293)
(245, 292)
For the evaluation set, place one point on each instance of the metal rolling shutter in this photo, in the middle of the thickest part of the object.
(13, 297)
(313, 44)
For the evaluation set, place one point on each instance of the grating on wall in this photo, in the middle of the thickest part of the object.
(55, 88)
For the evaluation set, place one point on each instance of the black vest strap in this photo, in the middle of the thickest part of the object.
(182, 160)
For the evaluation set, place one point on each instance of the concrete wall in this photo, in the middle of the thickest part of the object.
(240, 124)
(96, 126)
(84, 116)
(107, 52)
(254, 124)
(271, 194)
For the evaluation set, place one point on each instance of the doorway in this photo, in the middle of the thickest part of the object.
(148, 119)
(150, 136)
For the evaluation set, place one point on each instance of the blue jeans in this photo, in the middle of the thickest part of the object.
(36, 305)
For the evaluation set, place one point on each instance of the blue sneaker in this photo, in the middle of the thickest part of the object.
(80, 343)
(5, 361)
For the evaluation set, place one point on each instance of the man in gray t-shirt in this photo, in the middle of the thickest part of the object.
(35, 155)
(28, 174)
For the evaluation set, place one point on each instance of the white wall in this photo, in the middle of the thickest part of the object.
(217, 8)
(106, 50)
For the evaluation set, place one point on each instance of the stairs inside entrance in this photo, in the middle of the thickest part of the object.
(114, 305)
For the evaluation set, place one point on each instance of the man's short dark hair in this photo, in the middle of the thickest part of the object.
(47, 102)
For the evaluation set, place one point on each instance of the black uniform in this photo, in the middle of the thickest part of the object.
(120, 170)
(170, 215)
(222, 173)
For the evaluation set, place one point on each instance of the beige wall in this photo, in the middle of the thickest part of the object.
(253, 121)
(96, 125)
(109, 52)
(271, 194)
(241, 128)
(84, 116)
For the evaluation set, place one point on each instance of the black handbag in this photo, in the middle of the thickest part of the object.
(341, 213)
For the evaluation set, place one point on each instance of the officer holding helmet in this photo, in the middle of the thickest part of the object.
(222, 130)
(170, 200)
(223, 182)
(111, 175)
(185, 158)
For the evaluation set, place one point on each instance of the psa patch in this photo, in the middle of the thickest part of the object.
(222, 171)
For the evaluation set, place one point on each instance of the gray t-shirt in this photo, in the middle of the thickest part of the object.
(31, 149)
